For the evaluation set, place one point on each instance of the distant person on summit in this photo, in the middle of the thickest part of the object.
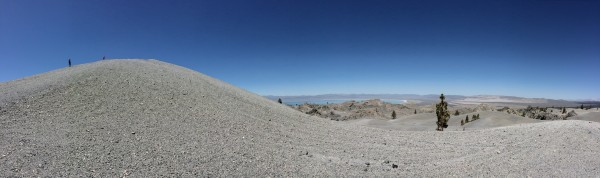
(69, 62)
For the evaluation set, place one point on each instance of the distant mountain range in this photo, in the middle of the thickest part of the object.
(432, 98)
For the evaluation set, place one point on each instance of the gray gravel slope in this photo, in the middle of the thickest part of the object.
(150, 118)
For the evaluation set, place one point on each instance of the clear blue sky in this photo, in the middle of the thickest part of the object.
(537, 48)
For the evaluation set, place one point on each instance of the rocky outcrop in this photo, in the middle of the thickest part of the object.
(375, 108)
(539, 113)
(571, 114)
(483, 107)
(547, 116)
(314, 112)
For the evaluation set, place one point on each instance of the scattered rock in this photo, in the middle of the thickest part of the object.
(313, 112)
(302, 153)
(571, 114)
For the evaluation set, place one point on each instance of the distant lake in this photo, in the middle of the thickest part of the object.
(335, 101)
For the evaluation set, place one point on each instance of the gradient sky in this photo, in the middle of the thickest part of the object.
(539, 48)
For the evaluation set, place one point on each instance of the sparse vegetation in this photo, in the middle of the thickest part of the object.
(415, 111)
(564, 111)
(393, 114)
(456, 113)
(581, 106)
(442, 114)
(462, 122)
(473, 118)
(279, 101)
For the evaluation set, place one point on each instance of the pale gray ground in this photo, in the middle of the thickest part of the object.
(427, 121)
(149, 118)
(587, 115)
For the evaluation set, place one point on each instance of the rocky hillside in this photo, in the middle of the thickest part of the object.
(147, 118)
(376, 109)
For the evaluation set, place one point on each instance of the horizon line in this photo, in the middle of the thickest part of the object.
(578, 100)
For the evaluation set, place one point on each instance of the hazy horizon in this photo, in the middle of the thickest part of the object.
(431, 94)
(533, 49)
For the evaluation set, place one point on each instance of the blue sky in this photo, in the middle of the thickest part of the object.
(528, 48)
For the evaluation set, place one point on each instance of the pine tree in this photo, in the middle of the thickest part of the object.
(279, 101)
(456, 113)
(462, 122)
(442, 114)
(581, 106)
(477, 116)
(415, 111)
(393, 114)
(467, 119)
(564, 111)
